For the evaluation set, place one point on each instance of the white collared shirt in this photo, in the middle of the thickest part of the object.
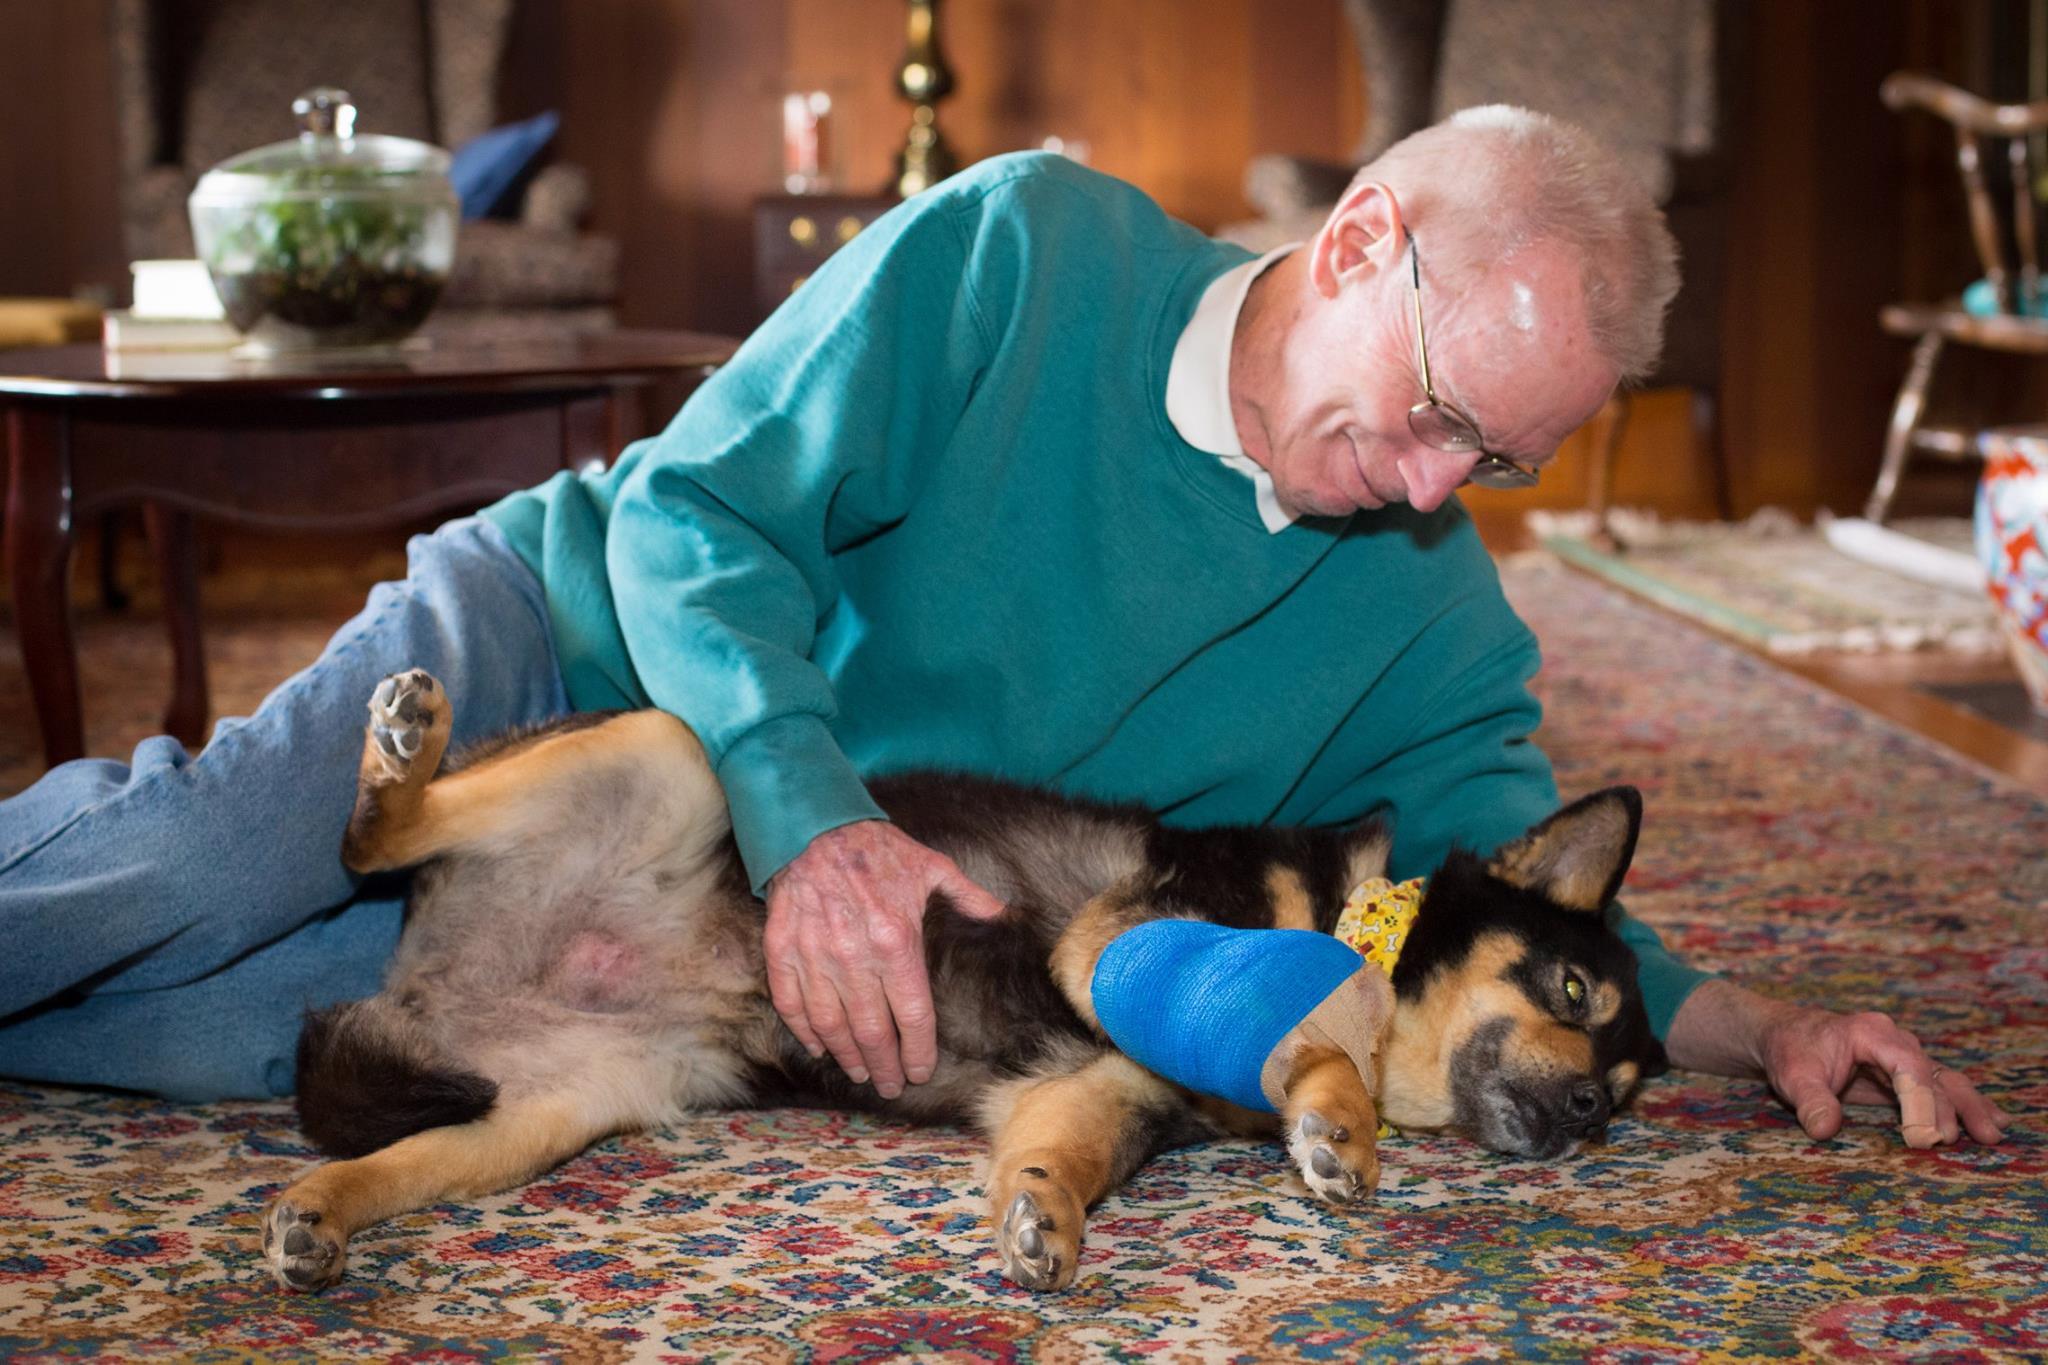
(1198, 382)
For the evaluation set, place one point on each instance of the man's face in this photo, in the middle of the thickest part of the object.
(1513, 355)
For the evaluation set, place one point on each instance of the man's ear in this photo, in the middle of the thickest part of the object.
(1578, 856)
(1363, 230)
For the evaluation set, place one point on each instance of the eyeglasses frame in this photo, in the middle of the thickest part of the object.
(1491, 470)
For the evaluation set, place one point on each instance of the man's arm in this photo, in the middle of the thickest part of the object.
(1816, 1060)
(722, 541)
(720, 554)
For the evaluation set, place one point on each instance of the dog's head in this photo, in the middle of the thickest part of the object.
(1518, 1020)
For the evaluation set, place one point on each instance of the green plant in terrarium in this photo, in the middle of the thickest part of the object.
(329, 240)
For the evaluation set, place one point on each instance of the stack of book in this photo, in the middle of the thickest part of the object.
(175, 309)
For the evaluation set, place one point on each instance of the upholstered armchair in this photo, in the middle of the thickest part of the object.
(199, 80)
(1649, 78)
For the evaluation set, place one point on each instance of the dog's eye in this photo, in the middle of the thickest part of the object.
(1574, 989)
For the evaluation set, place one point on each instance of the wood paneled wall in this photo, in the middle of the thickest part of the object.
(58, 228)
(673, 107)
(676, 105)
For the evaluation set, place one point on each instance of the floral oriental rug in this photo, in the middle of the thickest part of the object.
(1791, 840)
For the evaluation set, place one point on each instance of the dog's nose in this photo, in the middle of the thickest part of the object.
(1586, 1105)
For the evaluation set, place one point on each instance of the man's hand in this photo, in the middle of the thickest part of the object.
(1817, 1061)
(845, 949)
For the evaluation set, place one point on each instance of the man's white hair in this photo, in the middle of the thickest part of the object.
(1491, 180)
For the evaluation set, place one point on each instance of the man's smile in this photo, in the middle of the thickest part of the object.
(1358, 463)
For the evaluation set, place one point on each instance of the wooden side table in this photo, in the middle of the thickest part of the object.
(287, 444)
(794, 233)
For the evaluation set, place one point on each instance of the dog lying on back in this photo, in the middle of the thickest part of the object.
(583, 957)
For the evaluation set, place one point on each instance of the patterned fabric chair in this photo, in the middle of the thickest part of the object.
(1649, 78)
(198, 80)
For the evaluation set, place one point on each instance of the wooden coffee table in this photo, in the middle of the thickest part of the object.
(286, 444)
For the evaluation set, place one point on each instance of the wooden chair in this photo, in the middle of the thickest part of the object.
(1998, 221)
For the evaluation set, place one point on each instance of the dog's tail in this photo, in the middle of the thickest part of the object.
(368, 1076)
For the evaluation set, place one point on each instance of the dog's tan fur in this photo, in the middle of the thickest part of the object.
(1292, 908)
(1090, 931)
(312, 1223)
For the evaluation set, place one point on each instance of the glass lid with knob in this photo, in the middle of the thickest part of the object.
(329, 156)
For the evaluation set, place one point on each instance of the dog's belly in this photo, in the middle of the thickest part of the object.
(599, 972)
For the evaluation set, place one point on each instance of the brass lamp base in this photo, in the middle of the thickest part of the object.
(924, 80)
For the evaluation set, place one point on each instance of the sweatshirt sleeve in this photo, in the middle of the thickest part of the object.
(1469, 775)
(723, 534)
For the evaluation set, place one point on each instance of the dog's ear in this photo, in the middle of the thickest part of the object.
(1578, 856)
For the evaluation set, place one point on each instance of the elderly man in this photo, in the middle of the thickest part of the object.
(1032, 481)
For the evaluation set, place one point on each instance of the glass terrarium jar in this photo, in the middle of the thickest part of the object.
(329, 239)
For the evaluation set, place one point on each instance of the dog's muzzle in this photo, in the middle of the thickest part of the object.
(1541, 1119)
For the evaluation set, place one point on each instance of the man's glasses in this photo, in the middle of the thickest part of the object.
(1442, 427)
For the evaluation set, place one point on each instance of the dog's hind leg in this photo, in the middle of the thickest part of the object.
(1062, 1142)
(402, 749)
(307, 1227)
(405, 815)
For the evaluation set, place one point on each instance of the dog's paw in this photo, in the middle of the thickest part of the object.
(302, 1254)
(1337, 1165)
(1038, 1252)
(408, 717)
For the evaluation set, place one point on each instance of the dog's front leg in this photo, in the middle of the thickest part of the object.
(1331, 1125)
(1061, 1143)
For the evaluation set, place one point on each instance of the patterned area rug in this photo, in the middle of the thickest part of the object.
(1792, 840)
(1787, 588)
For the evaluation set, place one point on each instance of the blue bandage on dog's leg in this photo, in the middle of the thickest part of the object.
(1205, 1005)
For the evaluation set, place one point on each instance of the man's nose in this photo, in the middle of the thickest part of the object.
(1432, 475)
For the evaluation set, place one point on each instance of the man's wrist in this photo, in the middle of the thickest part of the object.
(1722, 1029)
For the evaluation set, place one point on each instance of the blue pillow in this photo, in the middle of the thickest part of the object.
(488, 166)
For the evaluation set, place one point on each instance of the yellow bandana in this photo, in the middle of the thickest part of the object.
(1375, 922)
(1376, 917)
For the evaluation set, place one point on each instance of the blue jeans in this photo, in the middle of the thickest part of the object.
(167, 921)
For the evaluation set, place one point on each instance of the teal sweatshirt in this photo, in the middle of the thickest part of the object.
(933, 515)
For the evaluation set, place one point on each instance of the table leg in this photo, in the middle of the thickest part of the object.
(39, 564)
(112, 596)
(590, 430)
(171, 535)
